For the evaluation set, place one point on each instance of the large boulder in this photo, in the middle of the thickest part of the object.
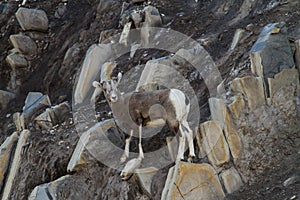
(192, 181)
(32, 19)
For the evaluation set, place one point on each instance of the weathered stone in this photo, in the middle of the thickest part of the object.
(71, 57)
(23, 44)
(54, 189)
(190, 181)
(236, 38)
(233, 139)
(53, 116)
(214, 143)
(95, 57)
(288, 78)
(94, 145)
(125, 34)
(252, 88)
(152, 17)
(272, 52)
(34, 104)
(5, 98)
(218, 110)
(16, 60)
(13, 171)
(145, 177)
(232, 180)
(19, 121)
(6, 150)
(237, 106)
(32, 19)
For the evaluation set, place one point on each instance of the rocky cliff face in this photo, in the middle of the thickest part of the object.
(238, 62)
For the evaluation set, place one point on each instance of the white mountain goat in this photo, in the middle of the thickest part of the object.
(137, 107)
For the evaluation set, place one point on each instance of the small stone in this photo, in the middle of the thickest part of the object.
(250, 27)
(137, 19)
(16, 60)
(32, 19)
(125, 34)
(292, 180)
(232, 180)
(236, 38)
(152, 17)
(23, 44)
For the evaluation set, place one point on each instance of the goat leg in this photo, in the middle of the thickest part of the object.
(126, 150)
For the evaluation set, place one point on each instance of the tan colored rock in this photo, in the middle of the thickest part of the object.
(233, 139)
(5, 98)
(145, 177)
(23, 44)
(125, 34)
(32, 19)
(192, 181)
(19, 121)
(95, 57)
(94, 145)
(16, 60)
(6, 150)
(237, 106)
(218, 110)
(214, 143)
(13, 171)
(288, 78)
(232, 180)
(252, 88)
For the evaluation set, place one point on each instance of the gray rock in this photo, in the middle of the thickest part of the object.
(145, 178)
(292, 180)
(14, 169)
(53, 116)
(95, 57)
(34, 104)
(152, 17)
(272, 52)
(231, 179)
(23, 44)
(32, 19)
(5, 98)
(16, 60)
(94, 145)
(297, 54)
(6, 150)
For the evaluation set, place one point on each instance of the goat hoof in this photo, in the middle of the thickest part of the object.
(190, 159)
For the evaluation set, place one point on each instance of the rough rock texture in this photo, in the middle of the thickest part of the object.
(32, 19)
(192, 181)
(231, 179)
(5, 98)
(23, 44)
(16, 60)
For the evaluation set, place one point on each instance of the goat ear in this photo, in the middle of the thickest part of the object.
(119, 77)
(96, 84)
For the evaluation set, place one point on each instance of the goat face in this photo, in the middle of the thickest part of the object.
(110, 88)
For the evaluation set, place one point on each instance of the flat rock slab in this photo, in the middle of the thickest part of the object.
(6, 150)
(272, 52)
(32, 19)
(95, 57)
(193, 181)
(95, 145)
(214, 143)
(23, 44)
(252, 88)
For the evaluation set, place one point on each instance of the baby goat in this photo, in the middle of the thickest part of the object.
(139, 107)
